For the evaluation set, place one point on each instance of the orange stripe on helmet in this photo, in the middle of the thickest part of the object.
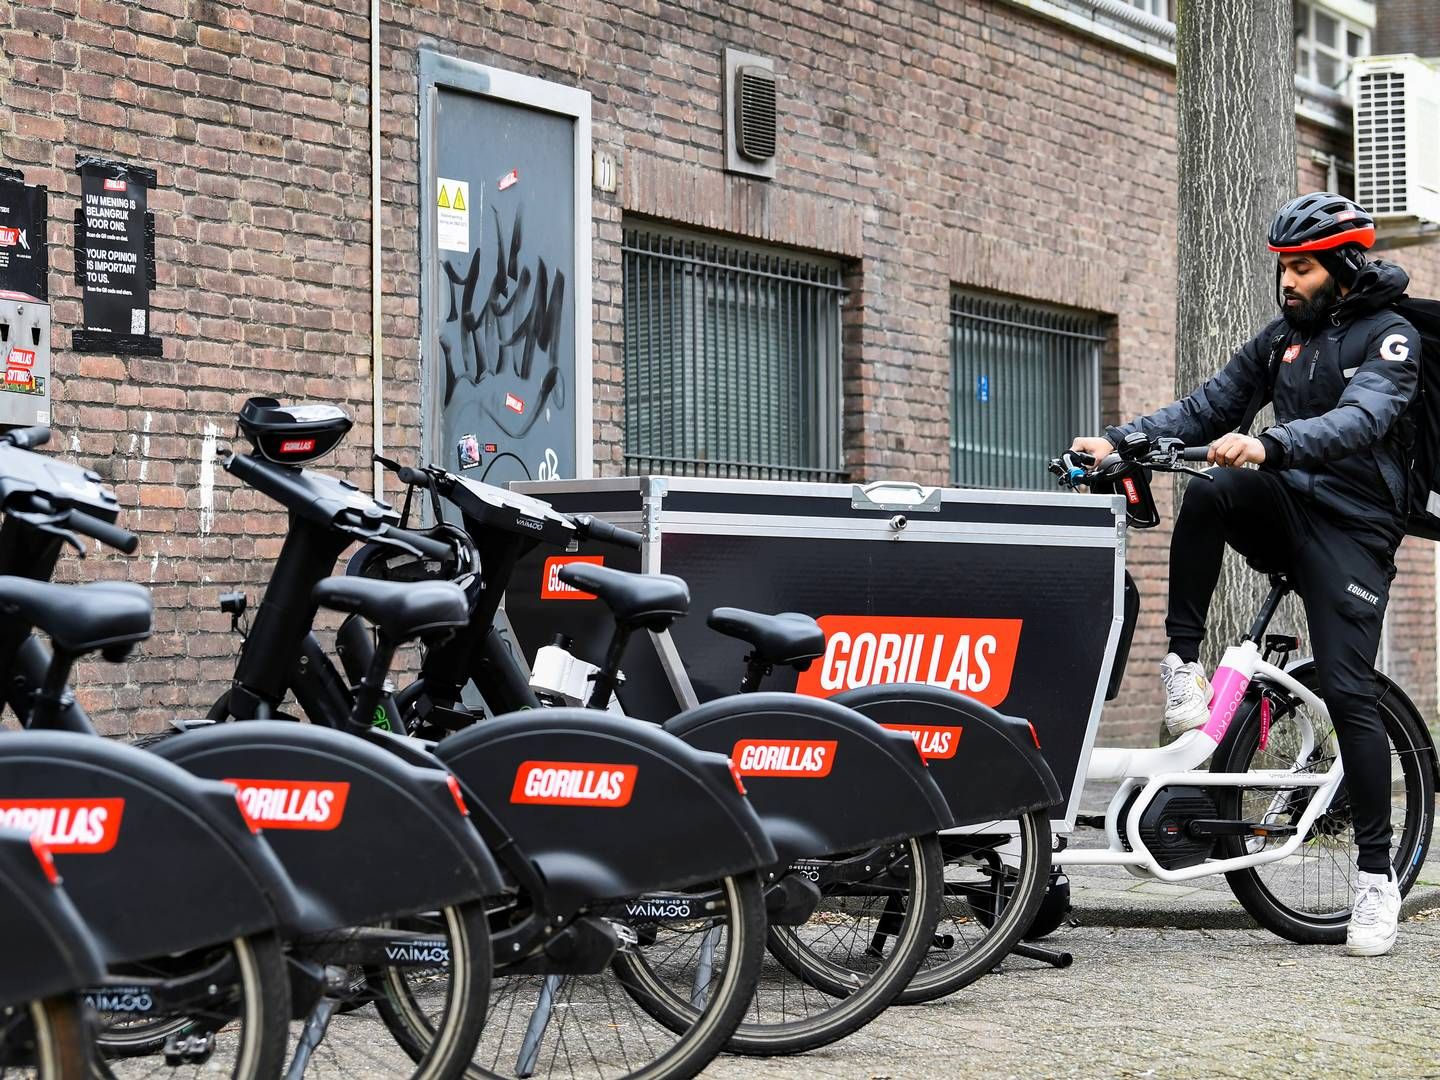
(1364, 237)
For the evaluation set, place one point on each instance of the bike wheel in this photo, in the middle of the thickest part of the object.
(836, 972)
(435, 1013)
(45, 1040)
(1307, 896)
(994, 885)
(608, 1026)
(237, 1028)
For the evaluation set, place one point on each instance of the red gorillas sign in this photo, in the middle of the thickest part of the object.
(975, 657)
(573, 783)
(552, 588)
(66, 826)
(934, 743)
(784, 757)
(317, 805)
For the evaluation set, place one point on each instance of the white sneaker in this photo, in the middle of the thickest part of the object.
(1373, 918)
(1187, 694)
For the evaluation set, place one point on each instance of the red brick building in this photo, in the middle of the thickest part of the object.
(929, 158)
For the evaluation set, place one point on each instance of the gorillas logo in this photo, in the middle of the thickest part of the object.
(293, 804)
(552, 588)
(975, 657)
(66, 826)
(934, 743)
(1395, 347)
(784, 757)
(573, 783)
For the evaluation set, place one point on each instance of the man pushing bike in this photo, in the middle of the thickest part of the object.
(1326, 506)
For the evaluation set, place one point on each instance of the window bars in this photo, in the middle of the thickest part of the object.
(731, 360)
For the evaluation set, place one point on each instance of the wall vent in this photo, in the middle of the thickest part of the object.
(751, 116)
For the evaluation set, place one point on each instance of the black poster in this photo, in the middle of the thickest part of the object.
(115, 258)
(24, 254)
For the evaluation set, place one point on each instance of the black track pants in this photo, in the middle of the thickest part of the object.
(1344, 583)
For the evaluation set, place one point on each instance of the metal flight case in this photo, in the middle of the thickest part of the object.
(1015, 599)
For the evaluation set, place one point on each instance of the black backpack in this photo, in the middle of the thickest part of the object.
(1421, 421)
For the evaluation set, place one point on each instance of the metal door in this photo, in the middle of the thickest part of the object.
(506, 273)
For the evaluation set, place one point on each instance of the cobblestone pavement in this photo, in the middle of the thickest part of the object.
(1153, 1002)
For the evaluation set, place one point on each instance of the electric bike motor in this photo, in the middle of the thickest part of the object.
(1165, 826)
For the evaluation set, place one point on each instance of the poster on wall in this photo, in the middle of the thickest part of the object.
(24, 252)
(115, 258)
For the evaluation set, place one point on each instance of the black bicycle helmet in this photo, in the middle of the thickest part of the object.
(1329, 226)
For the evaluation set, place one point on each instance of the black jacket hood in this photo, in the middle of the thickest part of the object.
(1378, 286)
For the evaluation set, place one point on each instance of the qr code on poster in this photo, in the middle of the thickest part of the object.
(137, 320)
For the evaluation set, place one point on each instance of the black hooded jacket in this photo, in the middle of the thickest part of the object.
(1338, 392)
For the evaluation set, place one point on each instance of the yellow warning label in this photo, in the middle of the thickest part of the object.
(444, 198)
(459, 199)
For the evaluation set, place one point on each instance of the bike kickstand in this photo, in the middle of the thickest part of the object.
(539, 1021)
(1053, 957)
(315, 1025)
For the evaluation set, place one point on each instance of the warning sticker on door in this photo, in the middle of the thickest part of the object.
(452, 219)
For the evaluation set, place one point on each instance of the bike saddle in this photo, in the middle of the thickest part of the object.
(787, 638)
(401, 609)
(81, 618)
(638, 601)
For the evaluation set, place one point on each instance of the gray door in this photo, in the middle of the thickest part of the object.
(500, 271)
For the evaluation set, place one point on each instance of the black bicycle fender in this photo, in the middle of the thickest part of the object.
(824, 778)
(988, 764)
(156, 860)
(47, 948)
(363, 834)
(605, 806)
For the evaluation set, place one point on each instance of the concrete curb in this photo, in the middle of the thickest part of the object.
(1094, 907)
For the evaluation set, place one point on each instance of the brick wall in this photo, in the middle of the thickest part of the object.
(924, 146)
(1406, 26)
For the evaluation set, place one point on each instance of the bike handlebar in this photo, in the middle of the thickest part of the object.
(1195, 453)
(430, 549)
(122, 540)
(593, 528)
(27, 438)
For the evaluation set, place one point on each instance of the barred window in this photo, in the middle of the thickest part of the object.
(732, 360)
(1025, 380)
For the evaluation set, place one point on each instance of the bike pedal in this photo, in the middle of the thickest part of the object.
(189, 1049)
(1090, 821)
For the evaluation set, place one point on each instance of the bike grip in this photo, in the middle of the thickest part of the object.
(122, 540)
(598, 529)
(431, 549)
(27, 438)
(412, 477)
(1195, 453)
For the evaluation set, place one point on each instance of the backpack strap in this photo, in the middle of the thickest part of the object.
(1266, 388)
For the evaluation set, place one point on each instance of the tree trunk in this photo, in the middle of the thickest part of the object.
(1235, 95)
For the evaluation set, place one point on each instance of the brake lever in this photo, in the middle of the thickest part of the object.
(1203, 474)
(378, 537)
(51, 529)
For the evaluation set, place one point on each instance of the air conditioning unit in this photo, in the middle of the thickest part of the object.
(1397, 137)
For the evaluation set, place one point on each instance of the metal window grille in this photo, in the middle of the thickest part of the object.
(732, 361)
(1025, 381)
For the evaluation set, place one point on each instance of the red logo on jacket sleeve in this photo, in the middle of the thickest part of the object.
(316, 805)
(66, 826)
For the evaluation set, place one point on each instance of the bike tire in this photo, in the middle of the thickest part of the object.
(583, 1025)
(986, 935)
(263, 988)
(441, 1050)
(837, 1000)
(1257, 888)
(45, 1039)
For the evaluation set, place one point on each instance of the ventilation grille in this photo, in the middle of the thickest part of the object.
(755, 113)
(1381, 120)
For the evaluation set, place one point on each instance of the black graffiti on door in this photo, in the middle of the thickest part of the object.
(517, 322)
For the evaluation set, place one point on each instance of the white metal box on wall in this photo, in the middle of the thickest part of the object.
(1397, 137)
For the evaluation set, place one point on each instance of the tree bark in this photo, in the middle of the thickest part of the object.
(1235, 96)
